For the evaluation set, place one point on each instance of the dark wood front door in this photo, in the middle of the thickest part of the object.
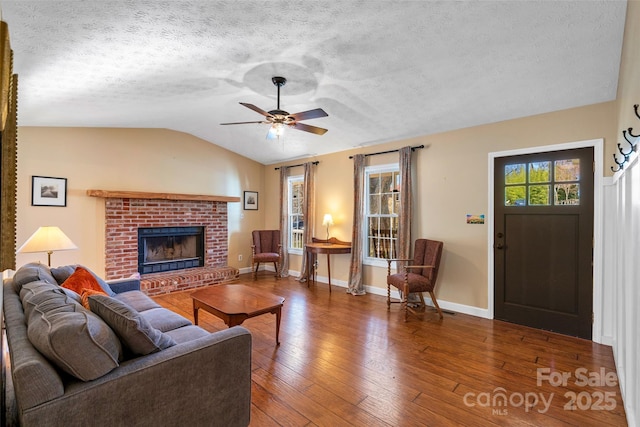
(543, 242)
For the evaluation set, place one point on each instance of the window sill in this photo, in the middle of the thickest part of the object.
(375, 262)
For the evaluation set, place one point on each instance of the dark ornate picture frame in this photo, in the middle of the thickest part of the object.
(250, 201)
(48, 191)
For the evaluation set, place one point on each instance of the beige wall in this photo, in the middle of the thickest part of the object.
(629, 80)
(154, 160)
(452, 179)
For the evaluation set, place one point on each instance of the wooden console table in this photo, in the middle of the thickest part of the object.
(329, 247)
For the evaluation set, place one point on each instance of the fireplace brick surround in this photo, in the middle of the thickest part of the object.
(125, 215)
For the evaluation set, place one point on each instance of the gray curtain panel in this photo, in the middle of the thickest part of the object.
(356, 287)
(308, 210)
(284, 222)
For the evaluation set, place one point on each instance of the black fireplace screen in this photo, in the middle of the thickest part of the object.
(170, 248)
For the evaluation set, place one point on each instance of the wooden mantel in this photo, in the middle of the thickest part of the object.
(162, 196)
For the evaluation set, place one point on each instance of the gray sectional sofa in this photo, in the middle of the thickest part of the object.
(126, 361)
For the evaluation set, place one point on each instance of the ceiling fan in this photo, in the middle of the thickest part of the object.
(280, 119)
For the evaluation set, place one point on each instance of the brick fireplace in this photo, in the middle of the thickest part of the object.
(124, 215)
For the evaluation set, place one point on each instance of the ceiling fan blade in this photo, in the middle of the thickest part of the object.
(256, 109)
(311, 114)
(242, 123)
(308, 128)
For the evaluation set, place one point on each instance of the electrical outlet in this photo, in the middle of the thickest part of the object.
(239, 257)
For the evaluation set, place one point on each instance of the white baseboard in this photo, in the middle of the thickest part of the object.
(444, 305)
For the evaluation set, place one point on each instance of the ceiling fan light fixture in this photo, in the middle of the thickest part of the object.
(276, 130)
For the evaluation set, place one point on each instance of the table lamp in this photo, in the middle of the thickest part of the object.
(47, 239)
(327, 220)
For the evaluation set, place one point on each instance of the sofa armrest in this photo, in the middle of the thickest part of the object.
(124, 285)
(206, 381)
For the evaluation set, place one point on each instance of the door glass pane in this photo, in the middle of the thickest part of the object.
(538, 195)
(567, 170)
(515, 195)
(514, 174)
(539, 171)
(566, 194)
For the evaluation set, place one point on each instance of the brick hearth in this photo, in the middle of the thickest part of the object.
(125, 215)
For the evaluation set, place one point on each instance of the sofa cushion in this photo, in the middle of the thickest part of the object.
(164, 319)
(32, 272)
(137, 300)
(61, 274)
(71, 337)
(37, 292)
(135, 332)
(187, 333)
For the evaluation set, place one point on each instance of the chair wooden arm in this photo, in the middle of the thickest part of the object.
(390, 260)
(419, 266)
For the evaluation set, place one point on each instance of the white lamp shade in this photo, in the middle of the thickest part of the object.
(47, 239)
(327, 220)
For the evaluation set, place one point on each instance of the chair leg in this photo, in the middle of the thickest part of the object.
(422, 299)
(255, 271)
(435, 302)
(275, 265)
(405, 302)
(388, 297)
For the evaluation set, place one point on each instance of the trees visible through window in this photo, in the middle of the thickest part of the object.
(296, 217)
(382, 195)
(542, 183)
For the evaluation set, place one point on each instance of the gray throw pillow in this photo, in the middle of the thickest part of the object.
(135, 332)
(36, 293)
(32, 272)
(71, 337)
(63, 273)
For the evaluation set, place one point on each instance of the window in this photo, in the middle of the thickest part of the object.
(296, 218)
(382, 199)
(542, 183)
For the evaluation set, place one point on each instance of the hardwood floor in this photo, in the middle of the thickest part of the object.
(346, 360)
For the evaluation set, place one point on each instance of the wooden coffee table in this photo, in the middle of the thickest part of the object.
(236, 303)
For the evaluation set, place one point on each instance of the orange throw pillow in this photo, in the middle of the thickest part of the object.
(81, 279)
(86, 293)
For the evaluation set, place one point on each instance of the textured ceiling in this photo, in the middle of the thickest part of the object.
(382, 70)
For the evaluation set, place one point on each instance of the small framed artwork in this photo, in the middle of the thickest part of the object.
(48, 191)
(475, 219)
(251, 200)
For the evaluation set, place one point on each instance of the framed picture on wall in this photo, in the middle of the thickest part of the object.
(48, 191)
(251, 200)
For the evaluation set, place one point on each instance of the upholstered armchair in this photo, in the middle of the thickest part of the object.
(266, 248)
(417, 277)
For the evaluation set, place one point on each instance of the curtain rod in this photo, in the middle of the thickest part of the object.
(301, 164)
(390, 151)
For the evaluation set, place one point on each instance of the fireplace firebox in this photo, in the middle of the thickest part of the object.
(170, 248)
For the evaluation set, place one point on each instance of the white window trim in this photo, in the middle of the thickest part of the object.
(290, 180)
(392, 167)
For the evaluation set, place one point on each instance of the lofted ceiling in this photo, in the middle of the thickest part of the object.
(382, 70)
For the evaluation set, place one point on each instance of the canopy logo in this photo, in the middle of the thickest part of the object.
(499, 400)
